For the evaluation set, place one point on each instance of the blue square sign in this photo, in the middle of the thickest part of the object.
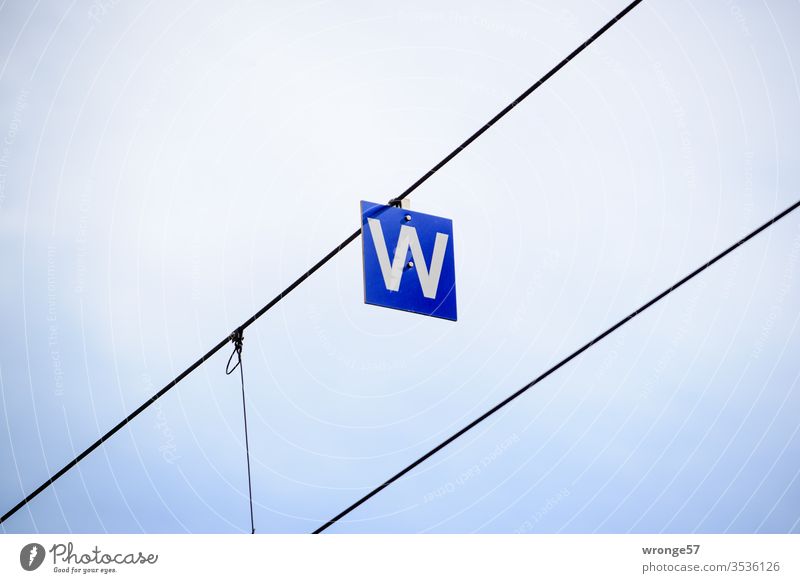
(408, 260)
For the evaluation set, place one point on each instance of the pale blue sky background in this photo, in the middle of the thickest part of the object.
(167, 168)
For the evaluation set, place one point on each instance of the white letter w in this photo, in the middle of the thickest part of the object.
(428, 280)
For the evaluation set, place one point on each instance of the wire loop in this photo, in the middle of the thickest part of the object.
(237, 337)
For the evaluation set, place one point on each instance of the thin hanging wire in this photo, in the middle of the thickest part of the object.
(237, 337)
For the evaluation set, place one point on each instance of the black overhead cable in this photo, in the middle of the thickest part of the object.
(551, 370)
(238, 340)
(319, 263)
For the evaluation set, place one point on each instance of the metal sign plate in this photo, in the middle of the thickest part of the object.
(409, 262)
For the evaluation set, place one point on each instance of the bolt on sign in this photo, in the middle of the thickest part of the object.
(409, 263)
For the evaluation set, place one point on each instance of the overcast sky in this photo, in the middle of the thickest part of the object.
(167, 168)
